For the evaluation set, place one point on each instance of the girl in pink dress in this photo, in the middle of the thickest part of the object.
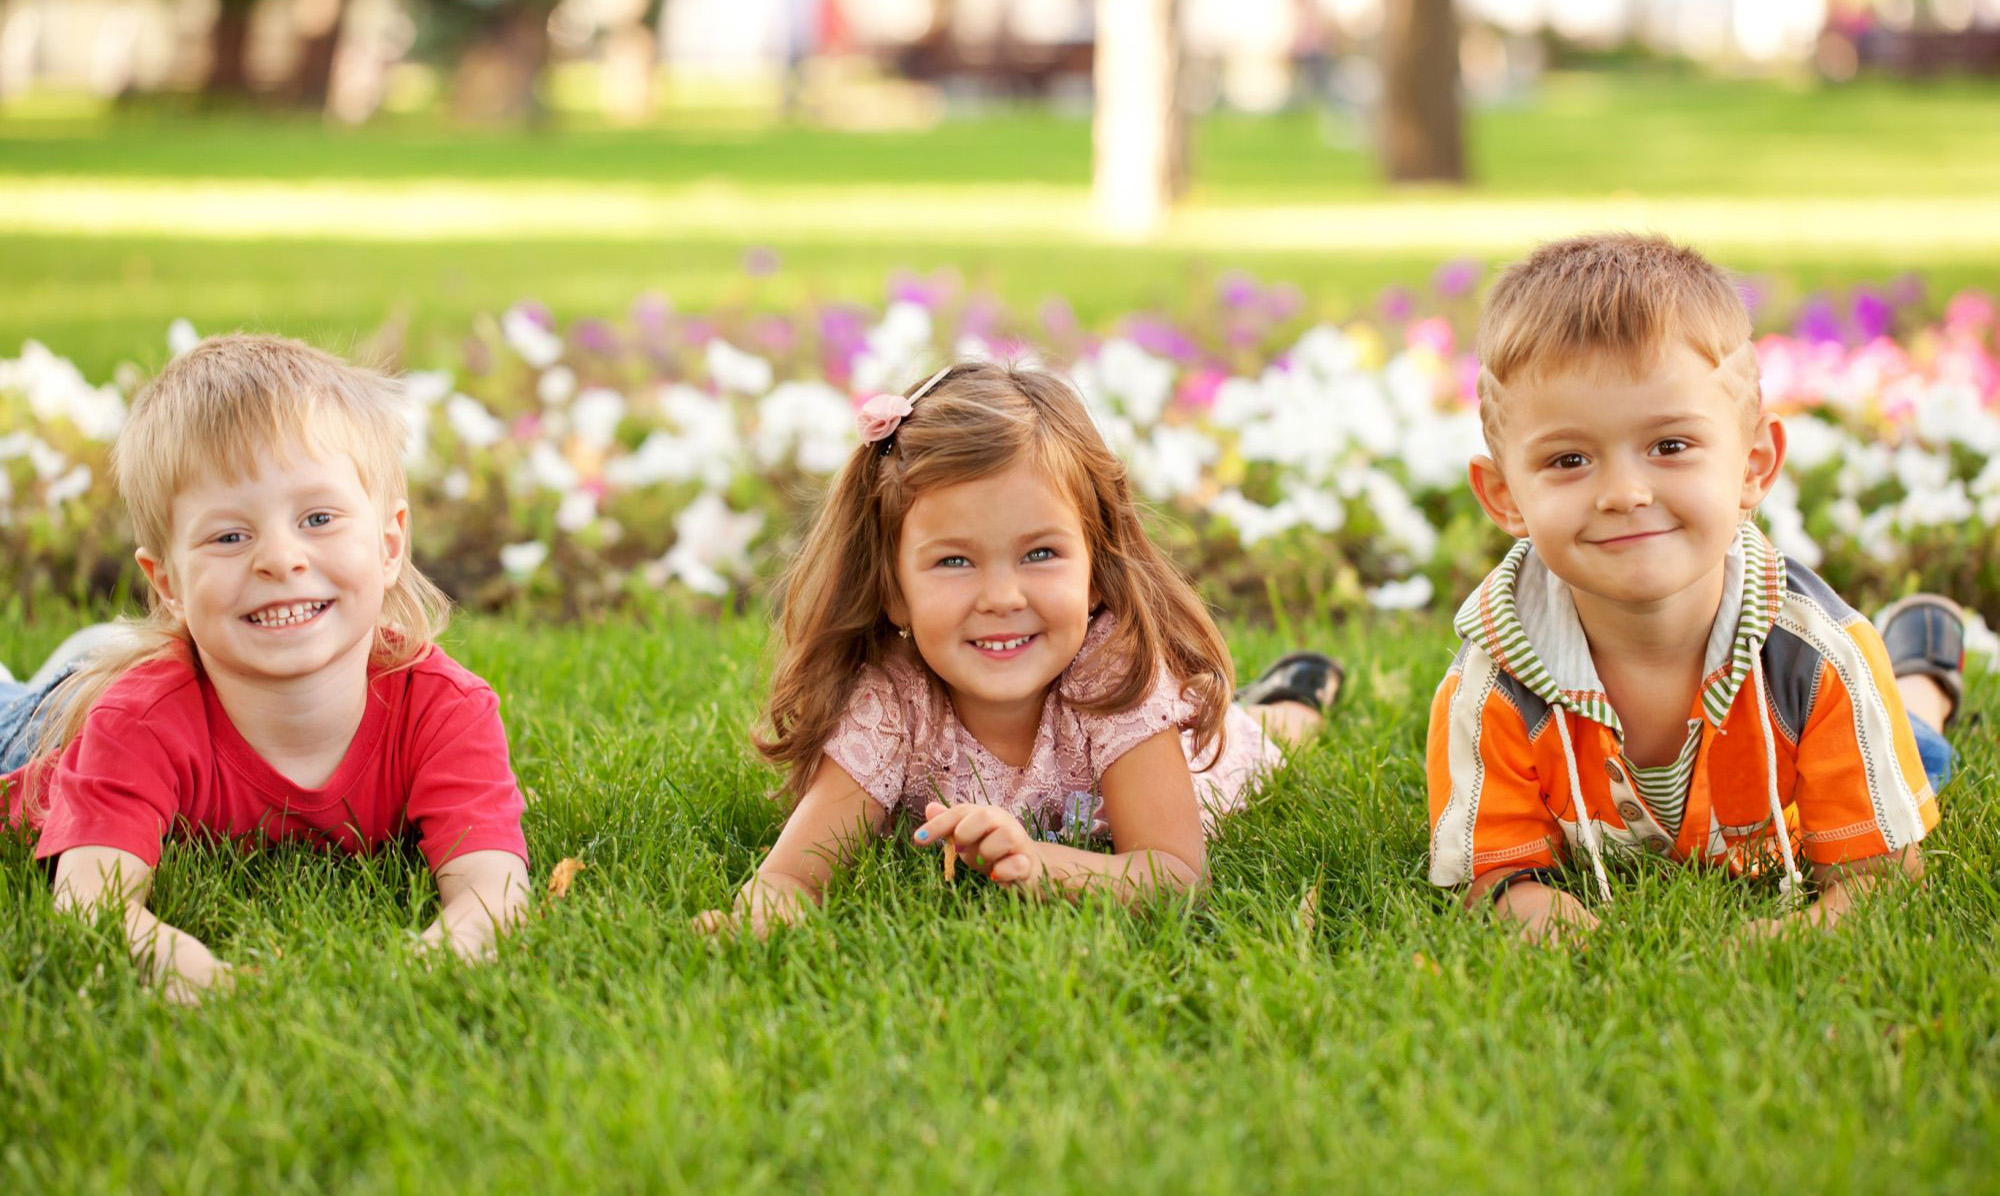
(977, 631)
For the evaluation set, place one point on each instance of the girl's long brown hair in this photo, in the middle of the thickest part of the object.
(976, 420)
(210, 413)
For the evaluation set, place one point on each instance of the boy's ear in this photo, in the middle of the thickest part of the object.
(1767, 459)
(395, 543)
(157, 575)
(1489, 486)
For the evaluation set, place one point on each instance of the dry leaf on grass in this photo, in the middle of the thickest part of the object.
(950, 862)
(1309, 910)
(563, 875)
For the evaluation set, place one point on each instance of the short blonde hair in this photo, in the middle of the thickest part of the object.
(210, 413)
(1617, 298)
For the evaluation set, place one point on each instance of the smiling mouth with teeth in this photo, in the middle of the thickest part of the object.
(287, 614)
(1005, 645)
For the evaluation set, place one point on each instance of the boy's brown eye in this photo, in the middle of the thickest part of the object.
(1568, 461)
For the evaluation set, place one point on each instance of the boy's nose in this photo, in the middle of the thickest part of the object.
(1621, 489)
(280, 555)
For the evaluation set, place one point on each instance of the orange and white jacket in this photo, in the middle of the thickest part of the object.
(1803, 737)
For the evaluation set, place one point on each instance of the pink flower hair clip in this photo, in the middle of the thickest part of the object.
(880, 416)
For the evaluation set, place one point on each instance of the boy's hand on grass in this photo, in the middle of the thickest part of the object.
(761, 906)
(1548, 916)
(989, 840)
(189, 973)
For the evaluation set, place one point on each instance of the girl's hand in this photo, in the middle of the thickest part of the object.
(194, 975)
(988, 838)
(761, 906)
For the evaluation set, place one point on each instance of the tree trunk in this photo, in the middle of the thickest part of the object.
(228, 46)
(495, 81)
(1421, 137)
(1138, 127)
(312, 77)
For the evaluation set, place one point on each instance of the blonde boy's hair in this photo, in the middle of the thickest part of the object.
(210, 413)
(1612, 299)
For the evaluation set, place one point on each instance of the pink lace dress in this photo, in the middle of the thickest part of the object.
(901, 740)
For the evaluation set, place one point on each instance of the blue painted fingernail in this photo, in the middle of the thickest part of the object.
(923, 835)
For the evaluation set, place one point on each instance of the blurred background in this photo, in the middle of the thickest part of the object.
(530, 202)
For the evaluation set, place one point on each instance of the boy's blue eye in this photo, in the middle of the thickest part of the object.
(319, 519)
(230, 538)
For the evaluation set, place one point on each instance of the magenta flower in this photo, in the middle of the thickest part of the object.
(1456, 279)
(760, 261)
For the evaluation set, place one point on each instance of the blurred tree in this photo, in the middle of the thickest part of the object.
(228, 46)
(1139, 130)
(319, 28)
(496, 50)
(1421, 137)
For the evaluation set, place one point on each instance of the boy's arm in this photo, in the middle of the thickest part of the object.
(1544, 913)
(1843, 886)
(88, 878)
(832, 819)
(481, 894)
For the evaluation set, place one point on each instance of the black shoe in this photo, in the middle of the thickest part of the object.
(1925, 636)
(1305, 677)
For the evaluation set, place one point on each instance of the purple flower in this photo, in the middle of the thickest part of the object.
(1237, 290)
(1818, 322)
(1396, 304)
(1058, 318)
(1160, 338)
(697, 330)
(1457, 278)
(1907, 289)
(980, 317)
(1284, 302)
(595, 336)
(760, 261)
(651, 314)
(1872, 313)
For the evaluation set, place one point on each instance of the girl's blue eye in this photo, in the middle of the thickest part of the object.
(953, 562)
(230, 538)
(319, 519)
(1040, 554)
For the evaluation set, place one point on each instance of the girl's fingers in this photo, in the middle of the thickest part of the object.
(941, 823)
(1013, 869)
(710, 922)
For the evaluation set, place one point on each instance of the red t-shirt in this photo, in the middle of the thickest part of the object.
(157, 751)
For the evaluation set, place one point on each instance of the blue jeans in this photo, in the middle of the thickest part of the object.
(20, 721)
(1939, 759)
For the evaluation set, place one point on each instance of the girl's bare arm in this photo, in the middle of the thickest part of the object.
(88, 878)
(481, 894)
(1156, 834)
(830, 822)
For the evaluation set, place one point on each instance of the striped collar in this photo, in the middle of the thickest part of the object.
(1525, 619)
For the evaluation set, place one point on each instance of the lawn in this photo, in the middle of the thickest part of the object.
(921, 1038)
(112, 226)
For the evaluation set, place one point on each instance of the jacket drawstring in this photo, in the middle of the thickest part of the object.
(1793, 886)
(1585, 825)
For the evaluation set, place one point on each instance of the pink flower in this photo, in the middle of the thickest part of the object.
(880, 416)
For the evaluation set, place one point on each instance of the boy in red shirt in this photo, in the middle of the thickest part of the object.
(1644, 671)
(285, 684)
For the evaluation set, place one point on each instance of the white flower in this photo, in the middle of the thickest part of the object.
(56, 390)
(1412, 593)
(426, 388)
(1168, 464)
(596, 415)
(556, 385)
(1140, 383)
(457, 484)
(892, 348)
(1810, 443)
(472, 423)
(1939, 507)
(1788, 526)
(578, 510)
(1920, 470)
(15, 444)
(1951, 413)
(1325, 352)
(734, 370)
(417, 421)
(549, 470)
(1403, 524)
(47, 460)
(181, 336)
(68, 488)
(1437, 449)
(1253, 521)
(809, 420)
(519, 560)
(537, 346)
(711, 542)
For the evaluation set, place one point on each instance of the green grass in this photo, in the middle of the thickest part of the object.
(605, 214)
(922, 1038)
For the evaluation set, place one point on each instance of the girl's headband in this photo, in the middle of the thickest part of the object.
(880, 416)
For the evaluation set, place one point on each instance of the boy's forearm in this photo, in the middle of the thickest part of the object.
(1842, 886)
(1128, 876)
(481, 897)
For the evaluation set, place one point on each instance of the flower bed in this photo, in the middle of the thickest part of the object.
(1294, 463)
